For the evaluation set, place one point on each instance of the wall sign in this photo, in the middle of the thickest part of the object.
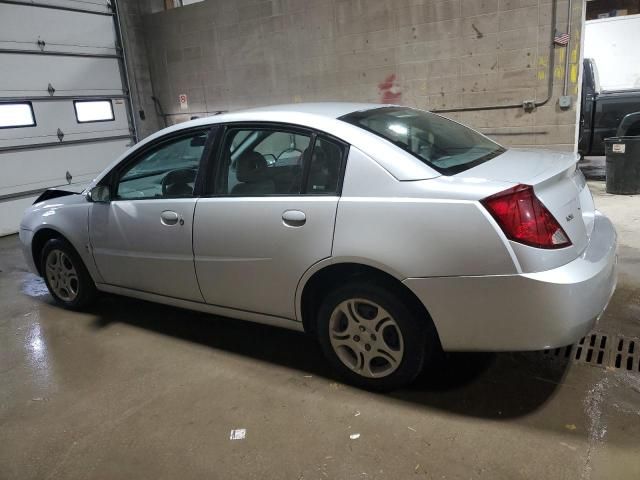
(184, 101)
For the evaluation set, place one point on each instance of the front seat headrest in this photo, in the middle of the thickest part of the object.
(250, 167)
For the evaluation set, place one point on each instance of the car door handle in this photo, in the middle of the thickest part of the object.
(294, 218)
(169, 217)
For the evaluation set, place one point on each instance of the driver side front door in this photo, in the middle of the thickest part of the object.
(142, 238)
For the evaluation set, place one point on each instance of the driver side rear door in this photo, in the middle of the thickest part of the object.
(142, 238)
(267, 215)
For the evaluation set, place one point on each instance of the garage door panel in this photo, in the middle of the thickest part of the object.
(68, 138)
(22, 26)
(11, 213)
(83, 161)
(40, 187)
(68, 75)
(53, 115)
(99, 6)
(51, 49)
(12, 210)
(76, 59)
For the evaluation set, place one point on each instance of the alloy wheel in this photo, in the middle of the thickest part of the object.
(366, 338)
(62, 275)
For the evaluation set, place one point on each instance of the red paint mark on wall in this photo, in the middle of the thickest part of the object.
(390, 90)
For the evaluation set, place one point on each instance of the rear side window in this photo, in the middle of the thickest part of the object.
(324, 170)
(262, 161)
(442, 144)
(15, 115)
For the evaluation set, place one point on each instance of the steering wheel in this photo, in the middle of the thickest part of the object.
(176, 182)
(288, 150)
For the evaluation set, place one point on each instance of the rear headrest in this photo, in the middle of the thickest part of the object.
(250, 166)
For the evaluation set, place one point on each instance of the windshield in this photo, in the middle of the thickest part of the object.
(444, 145)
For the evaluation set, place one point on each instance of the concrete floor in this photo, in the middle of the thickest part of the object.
(136, 390)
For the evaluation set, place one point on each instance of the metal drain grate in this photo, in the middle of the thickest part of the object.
(602, 350)
(592, 349)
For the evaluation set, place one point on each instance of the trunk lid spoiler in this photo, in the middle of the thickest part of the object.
(529, 167)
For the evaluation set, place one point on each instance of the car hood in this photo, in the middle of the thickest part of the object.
(53, 204)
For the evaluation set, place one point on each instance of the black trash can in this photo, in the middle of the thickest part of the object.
(623, 165)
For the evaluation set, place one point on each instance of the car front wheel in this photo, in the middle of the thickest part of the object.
(66, 276)
(372, 336)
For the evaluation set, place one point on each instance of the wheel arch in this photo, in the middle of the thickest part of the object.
(40, 238)
(319, 280)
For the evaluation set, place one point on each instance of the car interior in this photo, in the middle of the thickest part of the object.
(271, 162)
(169, 171)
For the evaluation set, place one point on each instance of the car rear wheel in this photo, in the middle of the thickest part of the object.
(66, 276)
(372, 336)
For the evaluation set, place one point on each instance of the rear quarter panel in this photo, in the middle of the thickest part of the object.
(412, 229)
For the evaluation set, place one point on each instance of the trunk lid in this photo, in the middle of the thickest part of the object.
(557, 182)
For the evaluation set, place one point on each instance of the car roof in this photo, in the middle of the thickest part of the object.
(300, 113)
(311, 115)
(322, 116)
(325, 109)
(305, 114)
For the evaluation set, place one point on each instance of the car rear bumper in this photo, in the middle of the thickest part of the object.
(529, 311)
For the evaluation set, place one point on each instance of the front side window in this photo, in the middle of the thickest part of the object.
(262, 161)
(14, 115)
(168, 171)
(442, 144)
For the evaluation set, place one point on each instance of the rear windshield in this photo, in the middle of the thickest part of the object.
(446, 146)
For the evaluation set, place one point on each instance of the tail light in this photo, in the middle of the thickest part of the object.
(523, 218)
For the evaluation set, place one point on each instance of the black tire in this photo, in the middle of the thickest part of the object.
(84, 286)
(418, 337)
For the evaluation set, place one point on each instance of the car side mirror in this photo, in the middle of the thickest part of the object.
(99, 194)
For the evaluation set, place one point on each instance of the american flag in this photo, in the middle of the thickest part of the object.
(561, 38)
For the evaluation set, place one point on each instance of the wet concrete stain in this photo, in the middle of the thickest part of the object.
(597, 425)
(34, 286)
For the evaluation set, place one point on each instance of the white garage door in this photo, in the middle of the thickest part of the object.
(64, 109)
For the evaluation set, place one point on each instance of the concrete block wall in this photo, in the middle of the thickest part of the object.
(432, 54)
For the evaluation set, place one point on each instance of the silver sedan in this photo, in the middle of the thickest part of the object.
(389, 233)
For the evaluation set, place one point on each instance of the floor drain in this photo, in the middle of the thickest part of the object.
(602, 350)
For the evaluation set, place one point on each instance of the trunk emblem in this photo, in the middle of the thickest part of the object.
(569, 217)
